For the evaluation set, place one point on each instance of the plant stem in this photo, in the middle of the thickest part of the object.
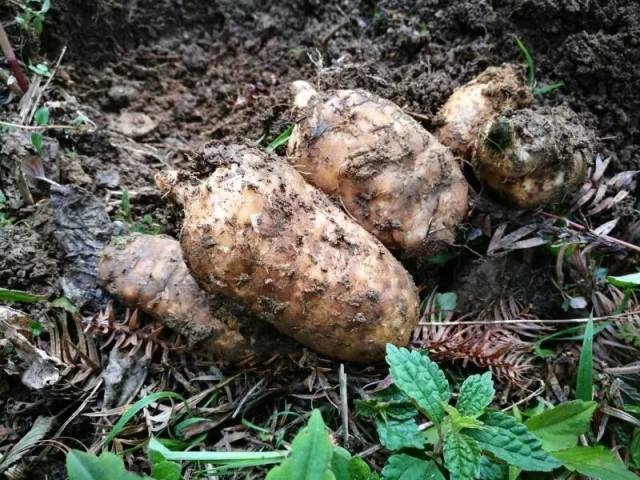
(13, 61)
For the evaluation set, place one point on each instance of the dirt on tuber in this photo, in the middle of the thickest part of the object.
(256, 232)
(148, 272)
(391, 175)
(527, 156)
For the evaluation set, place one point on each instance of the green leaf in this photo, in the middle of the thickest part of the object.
(559, 427)
(625, 281)
(461, 456)
(280, 139)
(7, 295)
(419, 378)
(340, 462)
(29, 440)
(512, 442)
(489, 470)
(596, 462)
(634, 448)
(41, 116)
(531, 72)
(458, 422)
(446, 302)
(397, 434)
(166, 471)
(476, 394)
(311, 453)
(134, 409)
(539, 91)
(36, 141)
(84, 466)
(406, 467)
(65, 304)
(390, 402)
(584, 384)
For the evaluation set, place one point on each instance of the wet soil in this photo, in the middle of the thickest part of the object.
(160, 78)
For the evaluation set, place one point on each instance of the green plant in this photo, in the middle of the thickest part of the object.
(147, 225)
(32, 15)
(470, 440)
(531, 72)
(280, 139)
(41, 118)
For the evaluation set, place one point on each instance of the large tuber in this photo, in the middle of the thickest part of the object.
(390, 174)
(256, 232)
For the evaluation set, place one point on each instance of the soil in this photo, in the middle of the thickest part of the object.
(161, 78)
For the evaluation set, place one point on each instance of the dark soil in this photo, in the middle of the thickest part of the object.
(206, 70)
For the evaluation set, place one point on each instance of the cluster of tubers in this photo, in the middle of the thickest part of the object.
(304, 244)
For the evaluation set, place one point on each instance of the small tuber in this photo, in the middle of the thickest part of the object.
(527, 156)
(494, 91)
(256, 232)
(390, 174)
(149, 273)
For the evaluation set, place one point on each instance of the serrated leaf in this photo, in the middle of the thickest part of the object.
(397, 434)
(512, 442)
(406, 467)
(390, 402)
(489, 470)
(476, 393)
(458, 422)
(461, 456)
(596, 462)
(84, 466)
(559, 427)
(310, 456)
(421, 379)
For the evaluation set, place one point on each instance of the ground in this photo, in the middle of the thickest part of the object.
(219, 70)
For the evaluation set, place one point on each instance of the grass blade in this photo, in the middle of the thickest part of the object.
(280, 139)
(40, 428)
(7, 295)
(584, 384)
(134, 409)
(537, 92)
(531, 72)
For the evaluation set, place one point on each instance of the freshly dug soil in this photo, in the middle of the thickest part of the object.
(206, 70)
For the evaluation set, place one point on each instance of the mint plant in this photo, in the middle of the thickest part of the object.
(470, 441)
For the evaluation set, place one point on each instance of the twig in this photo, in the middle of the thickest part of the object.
(46, 85)
(582, 228)
(13, 61)
(417, 115)
(45, 127)
(620, 316)
(344, 405)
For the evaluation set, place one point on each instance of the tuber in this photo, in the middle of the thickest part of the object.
(531, 157)
(526, 156)
(390, 174)
(148, 272)
(494, 91)
(256, 232)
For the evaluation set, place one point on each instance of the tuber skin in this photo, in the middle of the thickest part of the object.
(532, 157)
(391, 175)
(149, 273)
(256, 232)
(470, 107)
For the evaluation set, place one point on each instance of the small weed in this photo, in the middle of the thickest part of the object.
(40, 69)
(280, 139)
(32, 15)
(531, 72)
(147, 225)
